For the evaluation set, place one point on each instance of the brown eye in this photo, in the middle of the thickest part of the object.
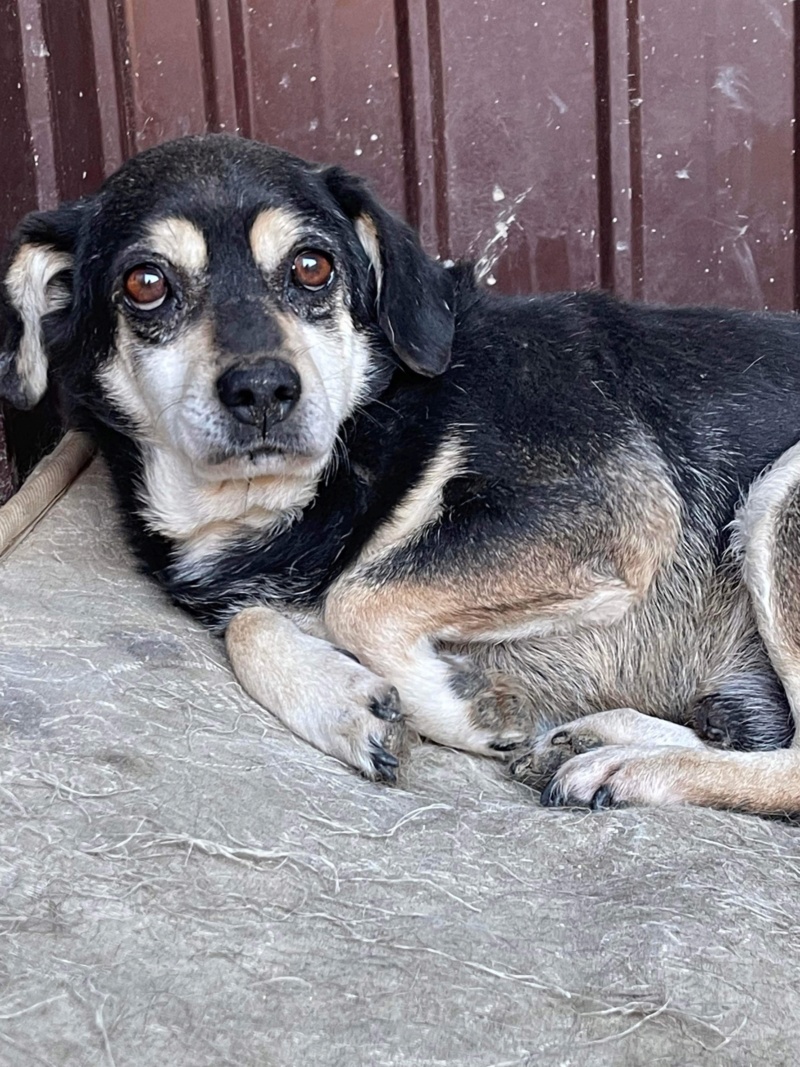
(312, 270)
(146, 287)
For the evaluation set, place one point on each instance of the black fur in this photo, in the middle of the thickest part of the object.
(748, 713)
(415, 305)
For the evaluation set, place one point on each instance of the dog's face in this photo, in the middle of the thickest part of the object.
(222, 302)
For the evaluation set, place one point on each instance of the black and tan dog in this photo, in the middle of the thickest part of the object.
(528, 527)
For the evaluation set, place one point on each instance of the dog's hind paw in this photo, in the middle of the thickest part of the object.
(748, 713)
(499, 713)
(543, 757)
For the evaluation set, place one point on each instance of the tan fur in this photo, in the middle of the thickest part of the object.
(32, 294)
(180, 242)
(630, 770)
(201, 513)
(273, 235)
(764, 538)
(762, 782)
(619, 726)
(367, 233)
(538, 588)
(596, 630)
(421, 506)
(168, 392)
(319, 693)
(335, 364)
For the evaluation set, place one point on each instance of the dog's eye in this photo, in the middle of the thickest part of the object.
(312, 270)
(146, 287)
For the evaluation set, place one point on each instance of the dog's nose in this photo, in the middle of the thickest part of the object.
(260, 394)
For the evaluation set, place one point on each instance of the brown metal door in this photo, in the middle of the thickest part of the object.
(642, 145)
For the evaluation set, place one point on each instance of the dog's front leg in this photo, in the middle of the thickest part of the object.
(447, 698)
(320, 692)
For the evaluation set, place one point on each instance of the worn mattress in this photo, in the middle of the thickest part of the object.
(184, 882)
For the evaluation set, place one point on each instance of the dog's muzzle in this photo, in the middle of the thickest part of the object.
(260, 394)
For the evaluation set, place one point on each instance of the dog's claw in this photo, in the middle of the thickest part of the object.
(506, 746)
(553, 795)
(384, 763)
(387, 707)
(603, 799)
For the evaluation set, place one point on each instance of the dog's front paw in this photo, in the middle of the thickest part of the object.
(387, 742)
(370, 731)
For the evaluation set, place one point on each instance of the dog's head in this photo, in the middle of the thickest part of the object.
(223, 301)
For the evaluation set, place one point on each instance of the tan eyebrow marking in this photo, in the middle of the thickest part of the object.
(180, 242)
(273, 235)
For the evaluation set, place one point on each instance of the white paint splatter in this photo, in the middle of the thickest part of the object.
(775, 17)
(562, 107)
(744, 255)
(731, 81)
(498, 194)
(494, 247)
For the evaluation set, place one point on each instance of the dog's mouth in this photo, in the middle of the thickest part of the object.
(268, 457)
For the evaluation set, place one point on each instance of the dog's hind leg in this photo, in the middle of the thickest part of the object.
(768, 535)
(398, 628)
(466, 561)
(540, 760)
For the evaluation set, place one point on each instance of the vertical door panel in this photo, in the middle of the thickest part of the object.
(324, 83)
(520, 145)
(716, 181)
(160, 68)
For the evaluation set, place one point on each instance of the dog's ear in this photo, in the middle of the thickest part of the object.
(415, 294)
(36, 280)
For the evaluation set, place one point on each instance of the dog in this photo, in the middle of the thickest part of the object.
(560, 530)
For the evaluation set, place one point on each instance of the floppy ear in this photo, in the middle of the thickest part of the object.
(415, 294)
(36, 280)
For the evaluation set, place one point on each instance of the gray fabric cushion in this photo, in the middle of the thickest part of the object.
(183, 882)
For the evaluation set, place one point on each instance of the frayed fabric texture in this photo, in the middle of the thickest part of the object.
(182, 882)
